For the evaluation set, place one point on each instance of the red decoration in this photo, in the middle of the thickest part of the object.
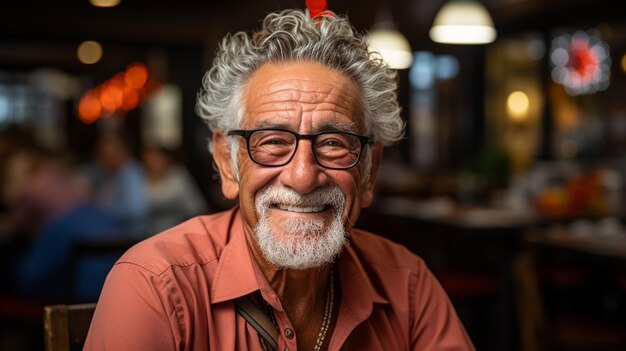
(581, 63)
(317, 8)
(584, 60)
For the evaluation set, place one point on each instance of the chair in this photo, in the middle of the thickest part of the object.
(66, 326)
(540, 330)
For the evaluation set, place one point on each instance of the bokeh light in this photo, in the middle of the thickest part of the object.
(136, 75)
(89, 108)
(131, 99)
(581, 63)
(89, 52)
(122, 93)
(517, 105)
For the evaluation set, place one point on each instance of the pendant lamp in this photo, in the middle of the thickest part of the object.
(463, 22)
(385, 39)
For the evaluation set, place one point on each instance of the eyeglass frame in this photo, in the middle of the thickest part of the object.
(246, 133)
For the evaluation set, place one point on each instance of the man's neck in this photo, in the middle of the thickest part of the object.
(302, 294)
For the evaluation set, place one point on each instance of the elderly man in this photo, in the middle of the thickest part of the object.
(299, 114)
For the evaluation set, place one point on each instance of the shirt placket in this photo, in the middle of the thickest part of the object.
(287, 339)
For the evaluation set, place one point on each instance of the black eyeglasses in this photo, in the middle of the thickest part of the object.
(276, 147)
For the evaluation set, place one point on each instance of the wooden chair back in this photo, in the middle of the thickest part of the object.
(66, 326)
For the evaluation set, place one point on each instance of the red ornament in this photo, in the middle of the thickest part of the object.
(316, 8)
(584, 60)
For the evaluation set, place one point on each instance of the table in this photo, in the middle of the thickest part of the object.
(599, 247)
(593, 261)
(446, 212)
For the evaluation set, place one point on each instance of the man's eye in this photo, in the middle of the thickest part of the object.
(332, 143)
(274, 141)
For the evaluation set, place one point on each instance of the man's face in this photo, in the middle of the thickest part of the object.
(301, 203)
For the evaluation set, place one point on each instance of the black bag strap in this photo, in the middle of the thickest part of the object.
(258, 319)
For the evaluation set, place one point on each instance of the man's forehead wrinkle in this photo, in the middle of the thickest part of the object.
(274, 106)
(276, 95)
(271, 124)
(334, 99)
(279, 83)
(306, 94)
(340, 127)
(293, 83)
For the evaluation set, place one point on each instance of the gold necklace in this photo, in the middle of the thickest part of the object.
(328, 314)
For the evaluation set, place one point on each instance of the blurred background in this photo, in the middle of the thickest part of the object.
(509, 183)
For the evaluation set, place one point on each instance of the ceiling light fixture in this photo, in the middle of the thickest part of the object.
(385, 39)
(463, 22)
(104, 3)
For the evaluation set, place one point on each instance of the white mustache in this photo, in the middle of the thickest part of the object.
(289, 199)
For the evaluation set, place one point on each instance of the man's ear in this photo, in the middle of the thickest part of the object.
(367, 194)
(223, 160)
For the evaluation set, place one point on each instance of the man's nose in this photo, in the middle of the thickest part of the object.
(303, 174)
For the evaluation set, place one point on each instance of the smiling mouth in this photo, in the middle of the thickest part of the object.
(301, 209)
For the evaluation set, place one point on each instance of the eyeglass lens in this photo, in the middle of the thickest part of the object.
(332, 150)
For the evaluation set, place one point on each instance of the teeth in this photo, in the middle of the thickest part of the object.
(291, 208)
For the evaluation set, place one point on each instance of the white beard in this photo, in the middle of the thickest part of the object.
(305, 243)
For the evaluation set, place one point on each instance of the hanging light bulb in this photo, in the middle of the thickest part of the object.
(392, 46)
(104, 3)
(385, 39)
(463, 22)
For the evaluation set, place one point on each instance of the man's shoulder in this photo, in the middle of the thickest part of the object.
(378, 250)
(199, 240)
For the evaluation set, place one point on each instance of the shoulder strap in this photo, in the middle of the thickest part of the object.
(248, 309)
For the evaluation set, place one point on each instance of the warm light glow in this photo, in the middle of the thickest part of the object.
(517, 105)
(462, 34)
(112, 95)
(89, 52)
(89, 109)
(624, 63)
(131, 99)
(392, 47)
(136, 75)
(122, 93)
(104, 3)
(463, 22)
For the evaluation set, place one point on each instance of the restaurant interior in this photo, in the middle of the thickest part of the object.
(510, 181)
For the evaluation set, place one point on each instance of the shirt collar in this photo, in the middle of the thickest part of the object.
(235, 275)
(357, 288)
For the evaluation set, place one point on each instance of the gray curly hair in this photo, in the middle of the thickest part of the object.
(292, 35)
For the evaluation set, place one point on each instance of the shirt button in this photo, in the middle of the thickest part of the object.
(289, 333)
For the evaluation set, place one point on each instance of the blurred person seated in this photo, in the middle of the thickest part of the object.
(31, 204)
(19, 221)
(42, 271)
(117, 182)
(173, 195)
(19, 155)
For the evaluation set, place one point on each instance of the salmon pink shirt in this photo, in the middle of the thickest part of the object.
(176, 291)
